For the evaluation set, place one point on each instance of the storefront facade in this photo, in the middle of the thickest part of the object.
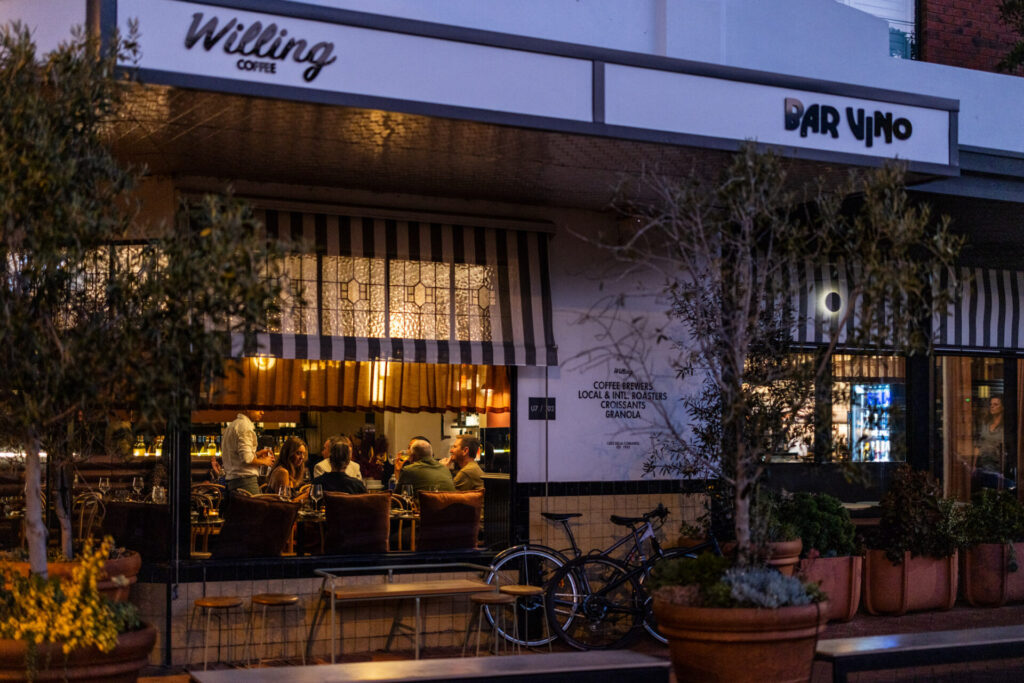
(445, 165)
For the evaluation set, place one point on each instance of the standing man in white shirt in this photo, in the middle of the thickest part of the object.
(241, 459)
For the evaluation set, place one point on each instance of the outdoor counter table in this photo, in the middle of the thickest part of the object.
(614, 666)
(388, 590)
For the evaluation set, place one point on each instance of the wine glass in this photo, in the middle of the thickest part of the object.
(316, 493)
(137, 486)
(285, 492)
(409, 493)
(104, 485)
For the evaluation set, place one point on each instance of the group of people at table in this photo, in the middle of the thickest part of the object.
(338, 471)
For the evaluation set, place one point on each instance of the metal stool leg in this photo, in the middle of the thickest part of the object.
(206, 638)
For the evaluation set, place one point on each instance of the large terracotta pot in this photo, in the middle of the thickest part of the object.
(117, 591)
(741, 644)
(840, 579)
(784, 555)
(988, 582)
(918, 583)
(120, 665)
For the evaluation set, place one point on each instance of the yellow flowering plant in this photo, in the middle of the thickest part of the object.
(65, 611)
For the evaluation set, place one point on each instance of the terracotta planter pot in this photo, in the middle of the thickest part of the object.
(742, 644)
(784, 555)
(127, 566)
(988, 582)
(120, 665)
(918, 583)
(840, 578)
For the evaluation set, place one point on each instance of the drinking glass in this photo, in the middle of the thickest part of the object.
(159, 495)
(104, 485)
(137, 486)
(285, 493)
(409, 493)
(316, 493)
(264, 471)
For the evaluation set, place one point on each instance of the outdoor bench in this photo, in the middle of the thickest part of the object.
(613, 666)
(333, 594)
(901, 650)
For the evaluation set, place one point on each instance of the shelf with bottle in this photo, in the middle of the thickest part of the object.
(151, 449)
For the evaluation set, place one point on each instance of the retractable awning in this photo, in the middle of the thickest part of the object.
(410, 290)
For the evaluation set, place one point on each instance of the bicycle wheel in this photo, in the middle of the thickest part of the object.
(592, 603)
(650, 624)
(533, 566)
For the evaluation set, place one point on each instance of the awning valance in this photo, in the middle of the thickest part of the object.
(986, 314)
(407, 290)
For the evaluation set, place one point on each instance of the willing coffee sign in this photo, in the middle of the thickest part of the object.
(259, 46)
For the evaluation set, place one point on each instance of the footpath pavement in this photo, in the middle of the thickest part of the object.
(861, 625)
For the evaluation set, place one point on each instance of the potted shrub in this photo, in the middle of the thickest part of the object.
(777, 539)
(831, 556)
(993, 533)
(911, 562)
(725, 622)
(731, 258)
(62, 628)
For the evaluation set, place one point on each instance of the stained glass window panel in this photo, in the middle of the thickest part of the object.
(353, 296)
(299, 312)
(420, 299)
(475, 301)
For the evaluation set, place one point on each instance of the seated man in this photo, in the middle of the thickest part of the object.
(424, 473)
(469, 476)
(336, 480)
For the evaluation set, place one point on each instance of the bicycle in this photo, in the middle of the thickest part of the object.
(597, 602)
(536, 564)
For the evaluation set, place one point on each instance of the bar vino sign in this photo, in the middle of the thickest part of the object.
(825, 119)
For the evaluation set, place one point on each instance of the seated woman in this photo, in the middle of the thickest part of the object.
(290, 466)
(336, 480)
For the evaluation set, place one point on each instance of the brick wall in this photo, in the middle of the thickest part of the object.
(966, 33)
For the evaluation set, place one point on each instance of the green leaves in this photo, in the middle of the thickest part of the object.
(915, 518)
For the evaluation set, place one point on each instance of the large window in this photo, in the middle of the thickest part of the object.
(860, 406)
(973, 423)
(902, 23)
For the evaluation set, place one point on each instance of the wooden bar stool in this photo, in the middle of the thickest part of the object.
(483, 601)
(210, 606)
(521, 592)
(280, 601)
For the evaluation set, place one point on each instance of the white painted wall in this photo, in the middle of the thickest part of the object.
(582, 443)
(811, 38)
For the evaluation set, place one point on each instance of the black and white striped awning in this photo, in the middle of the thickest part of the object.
(519, 324)
(986, 314)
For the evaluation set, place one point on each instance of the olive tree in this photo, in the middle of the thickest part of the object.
(731, 253)
(94, 322)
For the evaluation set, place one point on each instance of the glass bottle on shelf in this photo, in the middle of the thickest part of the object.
(139, 449)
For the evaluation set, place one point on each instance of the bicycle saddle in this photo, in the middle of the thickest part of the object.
(627, 521)
(560, 516)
